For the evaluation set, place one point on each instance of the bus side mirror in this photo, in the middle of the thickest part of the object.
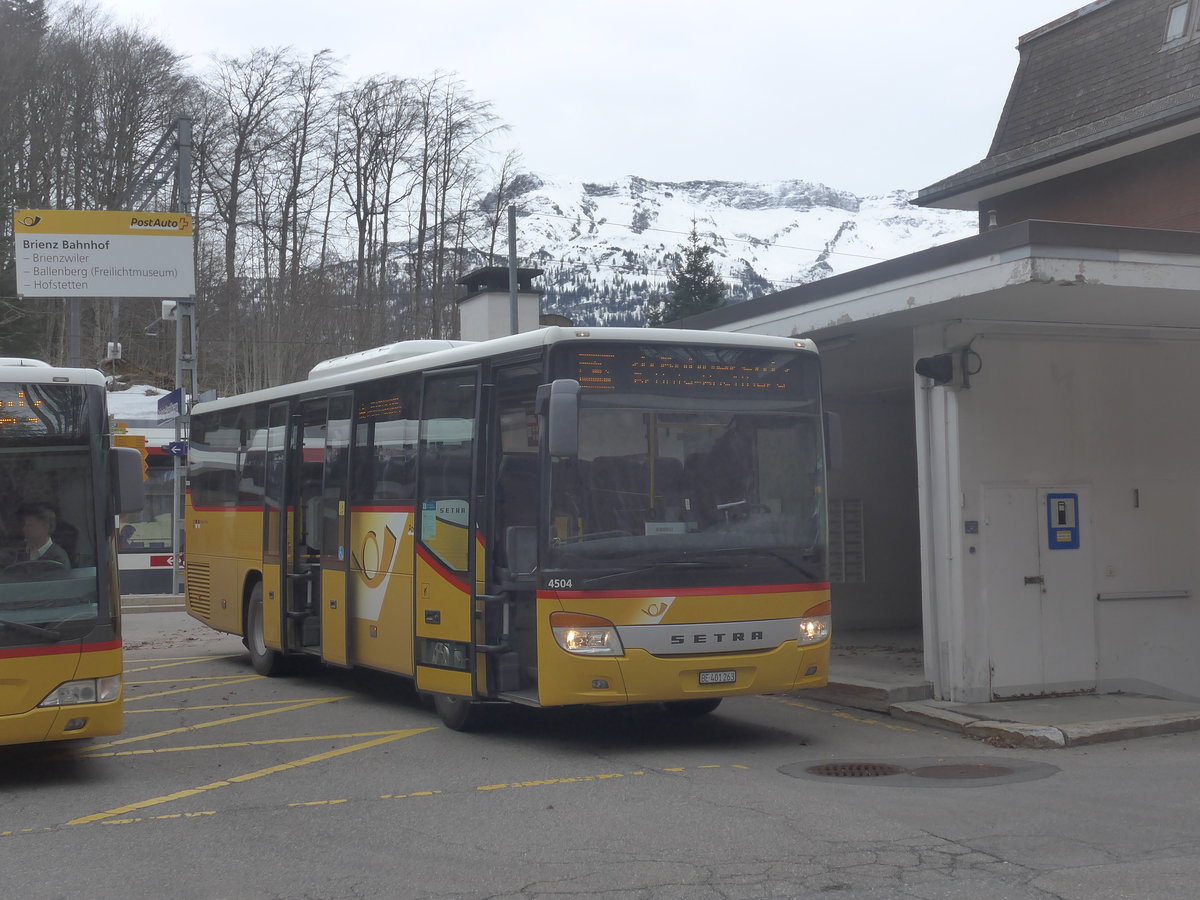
(558, 405)
(130, 493)
(833, 440)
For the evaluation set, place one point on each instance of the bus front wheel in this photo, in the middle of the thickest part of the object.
(457, 713)
(264, 660)
(691, 709)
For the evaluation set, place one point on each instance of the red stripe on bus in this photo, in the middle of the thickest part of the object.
(59, 649)
(440, 568)
(692, 592)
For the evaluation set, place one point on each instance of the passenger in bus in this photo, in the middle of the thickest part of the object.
(37, 523)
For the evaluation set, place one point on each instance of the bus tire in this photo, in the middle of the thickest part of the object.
(264, 660)
(457, 713)
(692, 709)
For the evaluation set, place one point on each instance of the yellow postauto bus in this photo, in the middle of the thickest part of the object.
(566, 516)
(61, 487)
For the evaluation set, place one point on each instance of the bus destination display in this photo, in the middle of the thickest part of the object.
(690, 370)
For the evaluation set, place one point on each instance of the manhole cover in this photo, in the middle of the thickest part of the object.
(924, 772)
(979, 770)
(856, 770)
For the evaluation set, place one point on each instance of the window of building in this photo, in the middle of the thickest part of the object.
(1177, 22)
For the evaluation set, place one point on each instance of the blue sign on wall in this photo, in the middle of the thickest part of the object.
(1062, 521)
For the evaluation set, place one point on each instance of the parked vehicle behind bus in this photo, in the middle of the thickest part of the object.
(566, 516)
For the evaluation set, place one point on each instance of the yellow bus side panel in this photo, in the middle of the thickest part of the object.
(381, 589)
(444, 681)
(225, 544)
(443, 605)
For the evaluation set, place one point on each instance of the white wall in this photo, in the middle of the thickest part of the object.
(1120, 419)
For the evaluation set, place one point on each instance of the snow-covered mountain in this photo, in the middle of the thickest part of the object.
(607, 249)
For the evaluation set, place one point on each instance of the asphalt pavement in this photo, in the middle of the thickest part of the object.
(881, 672)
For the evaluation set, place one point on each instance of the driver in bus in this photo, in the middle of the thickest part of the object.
(37, 523)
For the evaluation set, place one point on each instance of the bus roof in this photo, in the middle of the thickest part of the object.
(466, 353)
(31, 371)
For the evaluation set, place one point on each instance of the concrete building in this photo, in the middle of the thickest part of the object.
(1031, 500)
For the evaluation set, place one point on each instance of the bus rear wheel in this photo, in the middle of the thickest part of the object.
(457, 713)
(264, 660)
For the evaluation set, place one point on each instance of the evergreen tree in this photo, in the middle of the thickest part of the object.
(694, 285)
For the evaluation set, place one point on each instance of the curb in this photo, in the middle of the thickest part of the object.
(1043, 737)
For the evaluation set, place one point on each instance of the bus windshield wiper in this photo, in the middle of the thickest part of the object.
(36, 631)
(664, 564)
(807, 573)
(774, 554)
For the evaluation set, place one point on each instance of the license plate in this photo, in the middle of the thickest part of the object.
(728, 676)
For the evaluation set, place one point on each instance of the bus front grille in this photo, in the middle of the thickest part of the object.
(199, 590)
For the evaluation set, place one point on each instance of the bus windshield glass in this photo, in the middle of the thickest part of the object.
(697, 465)
(48, 569)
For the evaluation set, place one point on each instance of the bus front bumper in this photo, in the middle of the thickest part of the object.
(640, 677)
(62, 723)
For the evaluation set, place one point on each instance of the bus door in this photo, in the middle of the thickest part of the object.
(335, 533)
(292, 522)
(307, 432)
(277, 538)
(446, 545)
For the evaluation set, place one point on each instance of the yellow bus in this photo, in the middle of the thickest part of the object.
(61, 487)
(566, 516)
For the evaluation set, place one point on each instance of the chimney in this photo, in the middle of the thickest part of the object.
(484, 311)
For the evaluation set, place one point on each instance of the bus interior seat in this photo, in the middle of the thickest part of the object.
(517, 489)
(516, 514)
(668, 487)
(619, 484)
(66, 536)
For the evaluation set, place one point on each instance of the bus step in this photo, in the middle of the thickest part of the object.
(525, 697)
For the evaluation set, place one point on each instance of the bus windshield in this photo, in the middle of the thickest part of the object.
(49, 588)
(691, 470)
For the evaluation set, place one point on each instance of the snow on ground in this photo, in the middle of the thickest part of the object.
(137, 403)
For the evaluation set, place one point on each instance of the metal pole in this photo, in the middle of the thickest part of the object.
(74, 327)
(513, 325)
(185, 351)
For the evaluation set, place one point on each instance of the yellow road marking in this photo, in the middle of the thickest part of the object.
(172, 709)
(216, 684)
(841, 714)
(169, 664)
(185, 658)
(188, 815)
(320, 802)
(241, 779)
(226, 721)
(231, 744)
(407, 796)
(187, 678)
(580, 779)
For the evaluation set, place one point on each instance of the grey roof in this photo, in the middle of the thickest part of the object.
(1097, 77)
(1110, 240)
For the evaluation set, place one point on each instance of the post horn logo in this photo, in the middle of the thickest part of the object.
(655, 610)
(29, 221)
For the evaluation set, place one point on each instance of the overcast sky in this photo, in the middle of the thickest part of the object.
(867, 96)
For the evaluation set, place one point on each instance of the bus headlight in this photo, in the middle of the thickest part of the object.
(87, 690)
(586, 635)
(816, 624)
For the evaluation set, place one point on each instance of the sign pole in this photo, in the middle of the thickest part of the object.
(185, 356)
